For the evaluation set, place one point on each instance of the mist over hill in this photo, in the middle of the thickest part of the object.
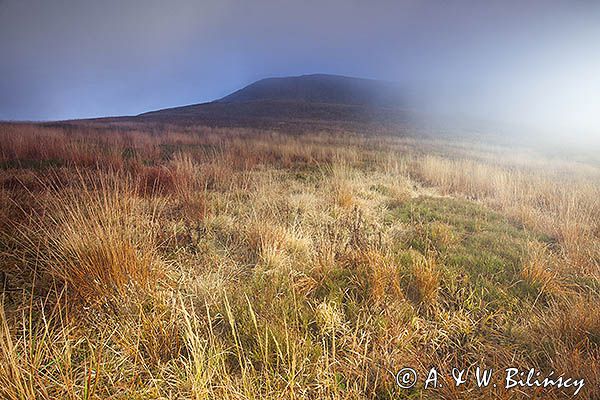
(334, 102)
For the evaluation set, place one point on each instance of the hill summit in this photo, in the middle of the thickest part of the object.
(306, 100)
(320, 88)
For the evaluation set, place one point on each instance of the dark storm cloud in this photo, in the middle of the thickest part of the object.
(496, 59)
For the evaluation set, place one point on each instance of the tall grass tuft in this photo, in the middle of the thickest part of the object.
(97, 236)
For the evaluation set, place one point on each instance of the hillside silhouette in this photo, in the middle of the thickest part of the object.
(307, 99)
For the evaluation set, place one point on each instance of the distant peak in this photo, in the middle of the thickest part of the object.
(320, 88)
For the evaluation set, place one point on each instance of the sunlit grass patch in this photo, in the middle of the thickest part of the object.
(97, 237)
(233, 264)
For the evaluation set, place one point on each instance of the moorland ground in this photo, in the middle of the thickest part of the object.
(142, 262)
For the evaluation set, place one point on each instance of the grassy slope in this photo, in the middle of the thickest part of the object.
(228, 266)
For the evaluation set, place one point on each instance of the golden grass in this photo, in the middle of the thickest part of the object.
(425, 280)
(146, 262)
(564, 204)
(96, 237)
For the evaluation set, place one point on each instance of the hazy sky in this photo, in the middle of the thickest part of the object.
(531, 61)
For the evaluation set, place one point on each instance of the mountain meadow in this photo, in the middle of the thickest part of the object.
(143, 259)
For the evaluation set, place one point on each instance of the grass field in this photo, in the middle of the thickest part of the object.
(173, 263)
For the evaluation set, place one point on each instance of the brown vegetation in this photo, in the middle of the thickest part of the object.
(162, 262)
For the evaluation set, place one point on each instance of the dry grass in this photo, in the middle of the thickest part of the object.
(162, 262)
(564, 204)
(96, 237)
